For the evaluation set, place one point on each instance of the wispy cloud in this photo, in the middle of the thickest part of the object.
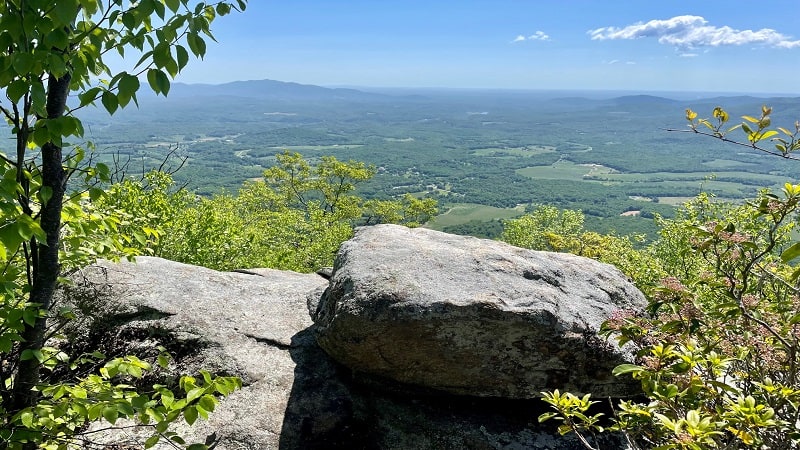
(617, 61)
(689, 32)
(537, 36)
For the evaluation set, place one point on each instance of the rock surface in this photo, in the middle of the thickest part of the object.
(248, 325)
(255, 325)
(472, 316)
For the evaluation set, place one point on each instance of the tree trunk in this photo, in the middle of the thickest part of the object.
(46, 266)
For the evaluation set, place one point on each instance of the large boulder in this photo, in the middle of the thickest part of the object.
(473, 317)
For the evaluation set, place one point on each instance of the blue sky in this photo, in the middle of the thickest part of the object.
(646, 45)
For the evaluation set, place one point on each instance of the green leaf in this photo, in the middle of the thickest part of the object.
(10, 237)
(32, 354)
(16, 90)
(207, 402)
(547, 416)
(22, 62)
(162, 55)
(45, 194)
(197, 447)
(163, 361)
(152, 441)
(791, 253)
(158, 7)
(65, 12)
(111, 414)
(194, 394)
(96, 193)
(190, 415)
(162, 426)
(182, 56)
(750, 119)
(223, 8)
(89, 96)
(196, 44)
(128, 86)
(167, 398)
(768, 134)
(5, 342)
(29, 316)
(626, 368)
(110, 102)
(158, 81)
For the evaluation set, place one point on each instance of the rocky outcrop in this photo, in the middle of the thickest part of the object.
(251, 324)
(255, 324)
(473, 317)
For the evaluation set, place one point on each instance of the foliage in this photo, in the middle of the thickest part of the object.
(545, 228)
(53, 63)
(294, 219)
(65, 409)
(718, 353)
(549, 229)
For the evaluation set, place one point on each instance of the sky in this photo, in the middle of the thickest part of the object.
(647, 45)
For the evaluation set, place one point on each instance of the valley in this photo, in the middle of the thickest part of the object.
(485, 155)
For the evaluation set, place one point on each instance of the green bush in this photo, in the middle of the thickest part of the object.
(719, 351)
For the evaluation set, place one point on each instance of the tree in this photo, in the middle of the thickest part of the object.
(53, 62)
(295, 218)
(544, 228)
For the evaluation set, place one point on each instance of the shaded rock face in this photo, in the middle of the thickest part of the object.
(472, 316)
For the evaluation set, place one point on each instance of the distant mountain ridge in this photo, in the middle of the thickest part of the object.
(291, 91)
(271, 89)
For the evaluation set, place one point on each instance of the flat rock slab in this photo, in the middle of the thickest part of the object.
(472, 316)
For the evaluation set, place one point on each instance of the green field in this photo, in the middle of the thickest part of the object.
(461, 213)
(674, 200)
(565, 170)
(727, 184)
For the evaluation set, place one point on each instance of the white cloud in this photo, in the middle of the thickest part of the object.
(537, 36)
(689, 32)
